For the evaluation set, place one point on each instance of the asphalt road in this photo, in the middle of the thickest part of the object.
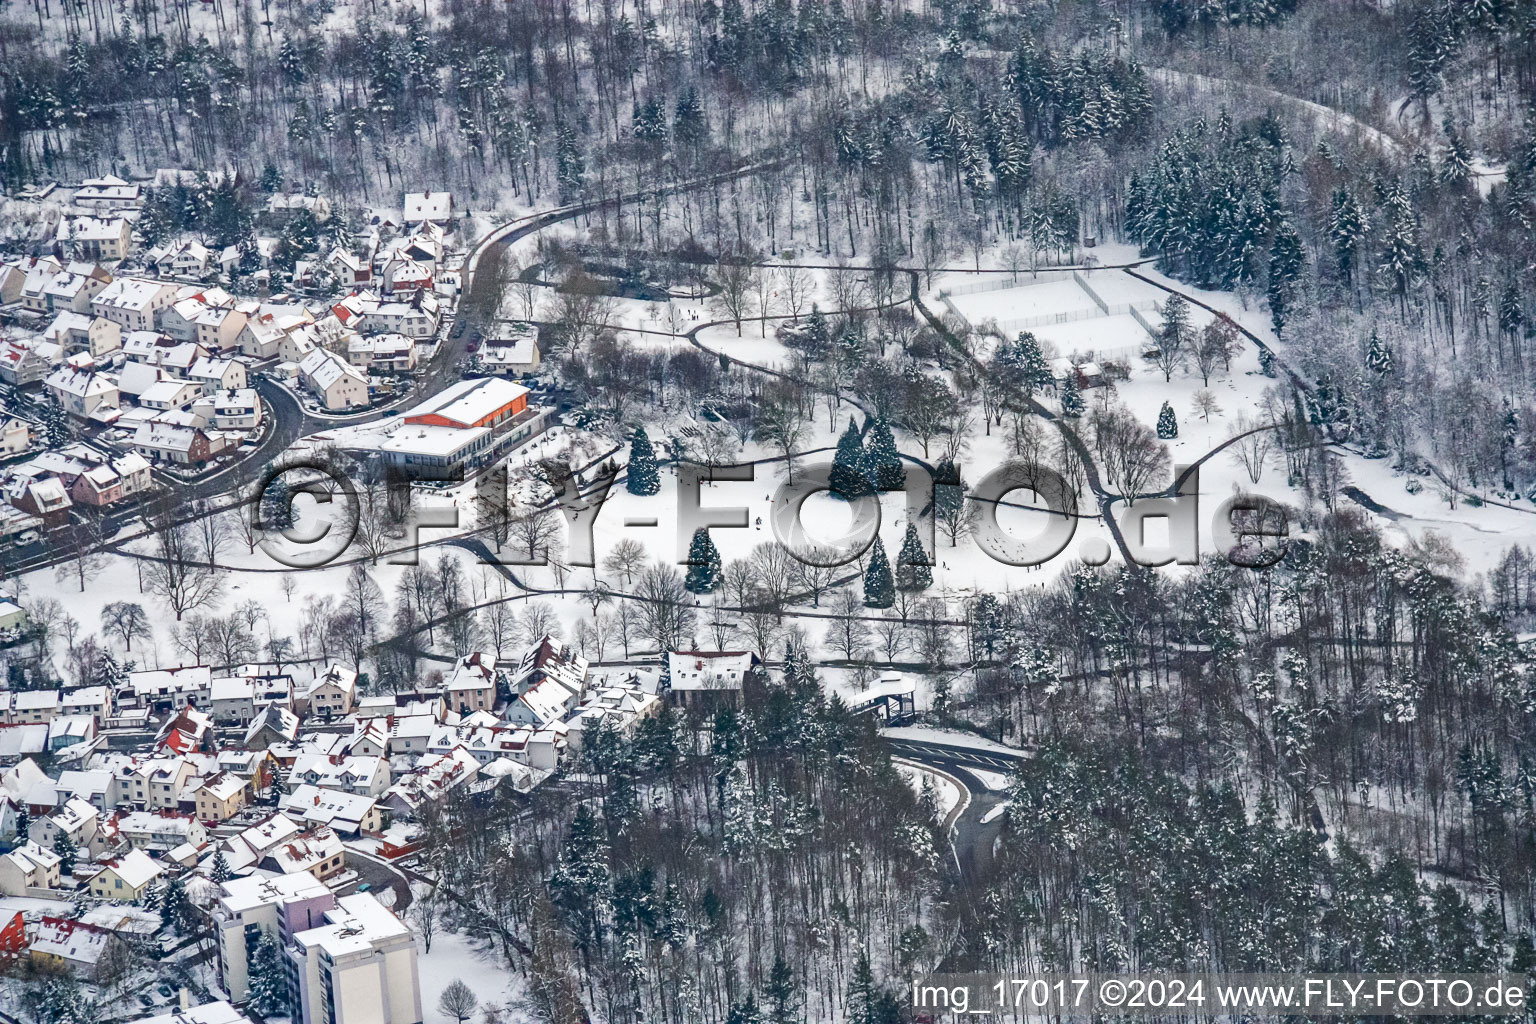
(973, 838)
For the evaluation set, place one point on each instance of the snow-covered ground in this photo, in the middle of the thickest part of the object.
(470, 959)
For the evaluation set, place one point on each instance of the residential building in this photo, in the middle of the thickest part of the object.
(95, 701)
(348, 814)
(221, 797)
(169, 394)
(358, 968)
(219, 329)
(335, 384)
(95, 238)
(278, 907)
(126, 878)
(29, 866)
(74, 287)
(133, 302)
(347, 773)
(513, 350)
(170, 687)
(318, 851)
(66, 731)
(272, 724)
(331, 692)
(76, 819)
(108, 193)
(63, 945)
(427, 208)
(622, 707)
(78, 332)
(217, 374)
(159, 831)
(472, 686)
(389, 352)
(699, 680)
(85, 394)
(187, 446)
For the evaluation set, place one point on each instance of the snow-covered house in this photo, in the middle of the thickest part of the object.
(164, 442)
(29, 866)
(350, 270)
(95, 238)
(472, 686)
(273, 724)
(427, 207)
(84, 332)
(133, 303)
(513, 351)
(126, 878)
(331, 693)
(108, 192)
(336, 385)
(217, 374)
(390, 352)
(346, 813)
(85, 394)
(159, 830)
(346, 773)
(170, 393)
(236, 409)
(318, 851)
(220, 797)
(15, 436)
(701, 679)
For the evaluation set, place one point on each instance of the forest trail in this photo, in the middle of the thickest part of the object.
(1337, 119)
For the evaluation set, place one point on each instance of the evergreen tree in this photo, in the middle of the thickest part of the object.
(1072, 404)
(879, 586)
(745, 1012)
(172, 903)
(219, 872)
(267, 979)
(847, 478)
(56, 422)
(1379, 358)
(1346, 230)
(1287, 260)
(862, 993)
(780, 991)
(65, 849)
(914, 569)
(882, 464)
(1266, 362)
(1455, 158)
(23, 822)
(644, 473)
(1167, 423)
(1511, 313)
(703, 564)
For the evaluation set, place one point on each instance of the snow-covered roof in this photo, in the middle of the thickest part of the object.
(469, 402)
(317, 806)
(81, 383)
(135, 868)
(709, 670)
(219, 1012)
(130, 293)
(434, 206)
(70, 940)
(241, 894)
